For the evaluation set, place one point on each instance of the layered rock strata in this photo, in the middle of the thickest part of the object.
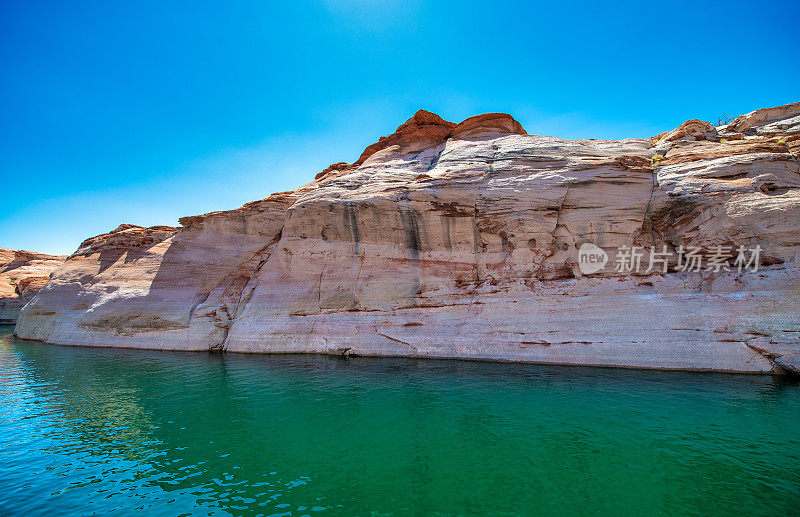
(22, 274)
(461, 240)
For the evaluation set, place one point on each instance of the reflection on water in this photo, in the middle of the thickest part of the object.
(86, 430)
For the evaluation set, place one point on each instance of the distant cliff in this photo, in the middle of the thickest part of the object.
(22, 274)
(463, 240)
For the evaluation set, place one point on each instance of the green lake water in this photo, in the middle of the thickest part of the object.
(120, 432)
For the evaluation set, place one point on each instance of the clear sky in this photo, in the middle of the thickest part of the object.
(142, 112)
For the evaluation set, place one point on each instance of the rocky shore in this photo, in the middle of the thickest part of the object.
(462, 240)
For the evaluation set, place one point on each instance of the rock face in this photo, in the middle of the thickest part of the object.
(461, 240)
(22, 274)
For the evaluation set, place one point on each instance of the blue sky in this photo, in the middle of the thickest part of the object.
(142, 112)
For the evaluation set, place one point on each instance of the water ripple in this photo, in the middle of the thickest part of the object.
(87, 431)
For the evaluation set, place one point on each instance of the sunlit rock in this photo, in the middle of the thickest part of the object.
(461, 240)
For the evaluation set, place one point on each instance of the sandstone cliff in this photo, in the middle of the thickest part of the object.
(22, 274)
(461, 240)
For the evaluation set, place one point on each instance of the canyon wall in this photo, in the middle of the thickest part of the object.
(462, 240)
(22, 274)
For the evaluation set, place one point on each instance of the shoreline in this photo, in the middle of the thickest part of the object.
(777, 372)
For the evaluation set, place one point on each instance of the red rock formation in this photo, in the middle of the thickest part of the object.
(690, 130)
(22, 275)
(424, 129)
(126, 236)
(487, 123)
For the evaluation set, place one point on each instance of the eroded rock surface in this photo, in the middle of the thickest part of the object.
(22, 275)
(460, 240)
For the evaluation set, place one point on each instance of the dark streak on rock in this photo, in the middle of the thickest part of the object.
(351, 223)
(413, 241)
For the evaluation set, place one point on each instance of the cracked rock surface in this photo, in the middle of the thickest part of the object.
(460, 240)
